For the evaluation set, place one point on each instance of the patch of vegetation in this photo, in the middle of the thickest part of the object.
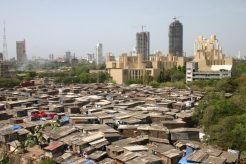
(9, 82)
(224, 119)
(137, 81)
(48, 161)
(172, 75)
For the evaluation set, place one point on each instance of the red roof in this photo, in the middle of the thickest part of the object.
(54, 145)
(52, 115)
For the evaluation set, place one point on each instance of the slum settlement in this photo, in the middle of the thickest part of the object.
(103, 123)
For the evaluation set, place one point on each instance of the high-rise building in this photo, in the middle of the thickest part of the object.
(68, 56)
(51, 57)
(1, 56)
(99, 54)
(91, 58)
(21, 51)
(142, 47)
(176, 38)
(4, 69)
(5, 48)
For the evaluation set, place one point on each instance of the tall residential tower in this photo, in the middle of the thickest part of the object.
(21, 51)
(5, 48)
(99, 54)
(176, 38)
(142, 47)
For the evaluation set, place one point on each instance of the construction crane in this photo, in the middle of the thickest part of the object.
(143, 26)
(175, 18)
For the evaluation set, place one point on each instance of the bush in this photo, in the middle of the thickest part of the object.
(67, 80)
(9, 82)
(173, 74)
(227, 85)
(177, 84)
(48, 161)
(154, 84)
(110, 81)
(223, 119)
(84, 78)
(137, 81)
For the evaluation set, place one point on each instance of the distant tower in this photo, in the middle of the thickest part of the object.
(142, 44)
(176, 38)
(21, 51)
(68, 56)
(1, 56)
(99, 54)
(90, 58)
(5, 47)
(239, 55)
(51, 57)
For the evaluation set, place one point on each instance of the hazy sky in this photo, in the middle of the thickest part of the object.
(55, 26)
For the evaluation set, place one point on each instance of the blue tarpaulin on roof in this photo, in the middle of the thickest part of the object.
(89, 162)
(15, 127)
(64, 120)
(183, 160)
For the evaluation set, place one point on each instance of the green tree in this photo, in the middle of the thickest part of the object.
(136, 81)
(32, 74)
(177, 76)
(229, 132)
(5, 157)
(227, 85)
(84, 77)
(103, 76)
(223, 119)
(48, 161)
(154, 84)
(147, 78)
(9, 82)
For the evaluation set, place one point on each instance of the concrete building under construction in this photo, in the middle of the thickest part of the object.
(4, 69)
(21, 51)
(176, 38)
(142, 44)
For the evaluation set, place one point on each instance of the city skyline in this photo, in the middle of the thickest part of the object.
(52, 27)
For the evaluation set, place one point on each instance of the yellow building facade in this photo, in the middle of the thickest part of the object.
(134, 67)
(209, 62)
(208, 52)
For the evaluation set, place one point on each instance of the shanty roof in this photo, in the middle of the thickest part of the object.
(127, 156)
(136, 148)
(53, 146)
(181, 130)
(93, 137)
(214, 160)
(172, 153)
(197, 156)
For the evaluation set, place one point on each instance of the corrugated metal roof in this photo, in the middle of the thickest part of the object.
(54, 145)
(136, 148)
